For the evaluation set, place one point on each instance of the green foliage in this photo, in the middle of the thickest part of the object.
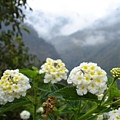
(13, 52)
(66, 103)
(37, 45)
(16, 104)
(69, 93)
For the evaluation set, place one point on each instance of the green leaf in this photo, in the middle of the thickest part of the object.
(18, 38)
(114, 92)
(69, 93)
(13, 105)
(59, 86)
(28, 72)
(45, 87)
(25, 29)
(110, 80)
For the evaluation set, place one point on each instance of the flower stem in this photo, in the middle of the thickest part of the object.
(107, 93)
(88, 113)
(35, 86)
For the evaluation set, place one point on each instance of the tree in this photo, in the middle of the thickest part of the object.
(13, 53)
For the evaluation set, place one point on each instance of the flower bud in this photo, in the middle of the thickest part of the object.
(116, 73)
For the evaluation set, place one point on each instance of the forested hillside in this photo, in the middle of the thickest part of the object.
(39, 46)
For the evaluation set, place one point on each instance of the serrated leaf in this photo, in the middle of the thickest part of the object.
(69, 93)
(13, 105)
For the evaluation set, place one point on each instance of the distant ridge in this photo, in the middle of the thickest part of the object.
(39, 46)
(98, 43)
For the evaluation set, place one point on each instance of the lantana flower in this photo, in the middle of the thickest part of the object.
(88, 77)
(54, 70)
(25, 115)
(13, 85)
(112, 115)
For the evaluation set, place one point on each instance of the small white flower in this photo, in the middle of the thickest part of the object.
(81, 89)
(101, 89)
(41, 71)
(87, 79)
(92, 88)
(40, 110)
(92, 66)
(84, 66)
(25, 115)
(100, 96)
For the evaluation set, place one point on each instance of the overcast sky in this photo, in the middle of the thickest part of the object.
(80, 13)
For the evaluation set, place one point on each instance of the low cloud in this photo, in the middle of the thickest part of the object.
(50, 25)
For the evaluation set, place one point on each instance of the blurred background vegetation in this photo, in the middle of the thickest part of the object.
(13, 52)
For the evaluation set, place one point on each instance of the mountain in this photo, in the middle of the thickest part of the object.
(46, 24)
(98, 43)
(38, 46)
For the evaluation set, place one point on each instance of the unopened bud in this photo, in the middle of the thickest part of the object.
(116, 73)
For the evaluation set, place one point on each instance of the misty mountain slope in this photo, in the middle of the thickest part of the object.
(98, 43)
(39, 46)
(107, 55)
(35, 44)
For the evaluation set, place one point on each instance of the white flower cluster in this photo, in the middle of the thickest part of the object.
(13, 85)
(54, 70)
(112, 115)
(25, 115)
(88, 77)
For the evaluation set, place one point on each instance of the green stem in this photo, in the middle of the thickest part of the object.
(35, 86)
(88, 113)
(97, 114)
(77, 113)
(107, 93)
(112, 103)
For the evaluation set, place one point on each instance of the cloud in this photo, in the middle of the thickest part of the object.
(93, 40)
(49, 25)
(46, 24)
(51, 18)
(91, 7)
